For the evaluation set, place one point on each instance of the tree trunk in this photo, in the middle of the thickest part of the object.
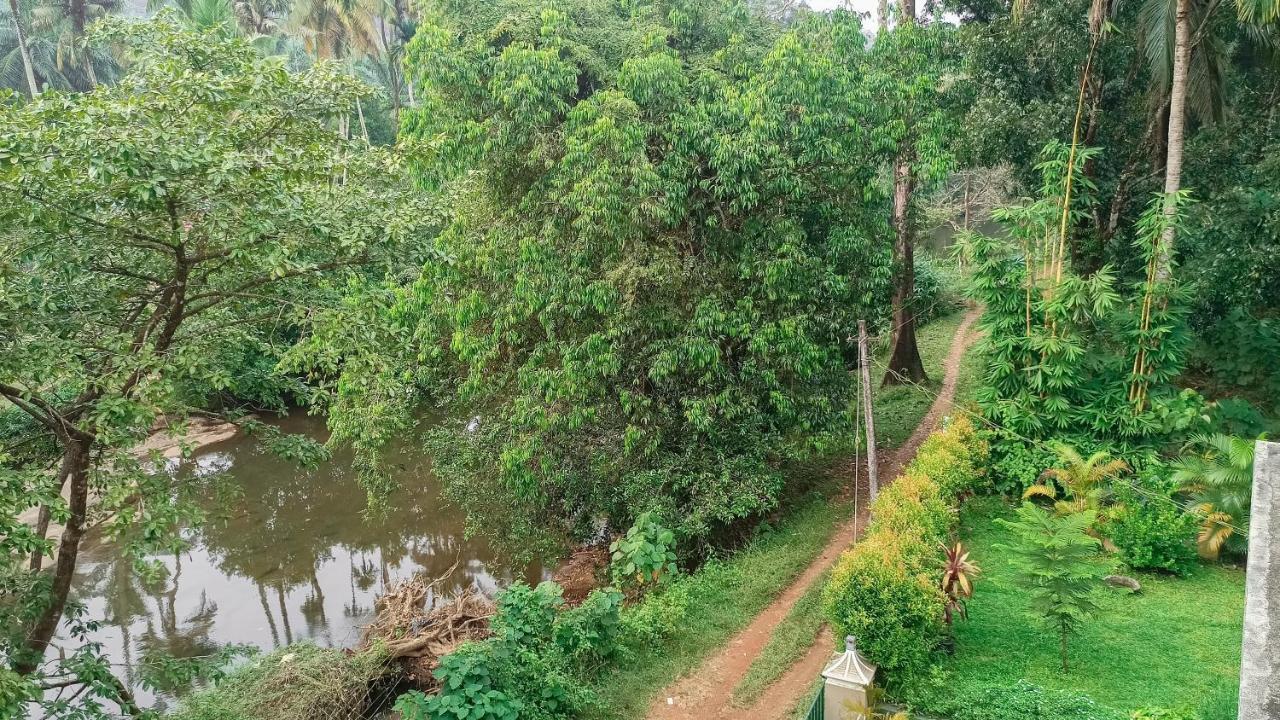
(882, 16)
(904, 364)
(364, 129)
(75, 456)
(1177, 131)
(23, 50)
(77, 26)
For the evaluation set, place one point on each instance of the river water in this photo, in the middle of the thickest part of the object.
(287, 556)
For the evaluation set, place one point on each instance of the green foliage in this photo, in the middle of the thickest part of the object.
(1019, 701)
(203, 201)
(533, 667)
(1149, 526)
(1217, 471)
(1239, 351)
(1057, 560)
(656, 271)
(885, 590)
(289, 684)
(645, 555)
(1175, 644)
(1069, 353)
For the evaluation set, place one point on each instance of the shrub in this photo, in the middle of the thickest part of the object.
(1150, 529)
(1016, 465)
(895, 613)
(884, 591)
(526, 615)
(532, 667)
(1020, 701)
(645, 555)
(955, 459)
(589, 633)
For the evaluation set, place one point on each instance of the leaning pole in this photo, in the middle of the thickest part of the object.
(1260, 659)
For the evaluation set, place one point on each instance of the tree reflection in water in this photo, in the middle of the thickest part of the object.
(289, 556)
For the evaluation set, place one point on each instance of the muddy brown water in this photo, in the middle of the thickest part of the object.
(286, 556)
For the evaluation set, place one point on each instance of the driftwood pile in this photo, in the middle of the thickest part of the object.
(417, 635)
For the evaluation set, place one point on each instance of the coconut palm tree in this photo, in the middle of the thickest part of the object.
(1187, 62)
(23, 52)
(1217, 471)
(1083, 480)
(62, 23)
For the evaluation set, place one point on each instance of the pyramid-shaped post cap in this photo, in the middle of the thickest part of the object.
(850, 668)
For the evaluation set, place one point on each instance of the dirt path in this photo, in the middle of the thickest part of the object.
(710, 687)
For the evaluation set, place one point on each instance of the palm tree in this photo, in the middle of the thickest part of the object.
(340, 30)
(1190, 69)
(1082, 479)
(1218, 473)
(62, 23)
(20, 46)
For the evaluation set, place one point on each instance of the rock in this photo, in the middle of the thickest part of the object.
(1123, 581)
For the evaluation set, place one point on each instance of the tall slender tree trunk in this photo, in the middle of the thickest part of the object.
(77, 26)
(364, 129)
(75, 457)
(904, 363)
(1177, 134)
(23, 50)
(882, 16)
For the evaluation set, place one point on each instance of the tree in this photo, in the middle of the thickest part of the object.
(1217, 470)
(1055, 558)
(1188, 68)
(908, 63)
(143, 231)
(665, 227)
(24, 53)
(1082, 479)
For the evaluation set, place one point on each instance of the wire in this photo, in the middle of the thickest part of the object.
(1189, 508)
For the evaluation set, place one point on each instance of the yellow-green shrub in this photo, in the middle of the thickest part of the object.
(884, 590)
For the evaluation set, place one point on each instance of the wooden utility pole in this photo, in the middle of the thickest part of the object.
(864, 366)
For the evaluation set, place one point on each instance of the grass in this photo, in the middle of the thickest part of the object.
(299, 682)
(790, 640)
(721, 599)
(900, 408)
(1176, 644)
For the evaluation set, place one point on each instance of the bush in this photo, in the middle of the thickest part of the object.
(894, 612)
(1150, 528)
(1015, 465)
(884, 591)
(534, 665)
(589, 633)
(645, 555)
(1020, 701)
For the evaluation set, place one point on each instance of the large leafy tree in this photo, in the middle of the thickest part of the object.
(665, 225)
(147, 226)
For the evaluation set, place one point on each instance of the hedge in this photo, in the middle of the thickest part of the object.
(884, 590)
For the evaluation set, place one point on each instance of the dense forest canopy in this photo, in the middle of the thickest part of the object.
(625, 245)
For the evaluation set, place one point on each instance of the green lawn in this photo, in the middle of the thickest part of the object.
(1176, 644)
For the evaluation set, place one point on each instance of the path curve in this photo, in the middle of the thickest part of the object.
(709, 689)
